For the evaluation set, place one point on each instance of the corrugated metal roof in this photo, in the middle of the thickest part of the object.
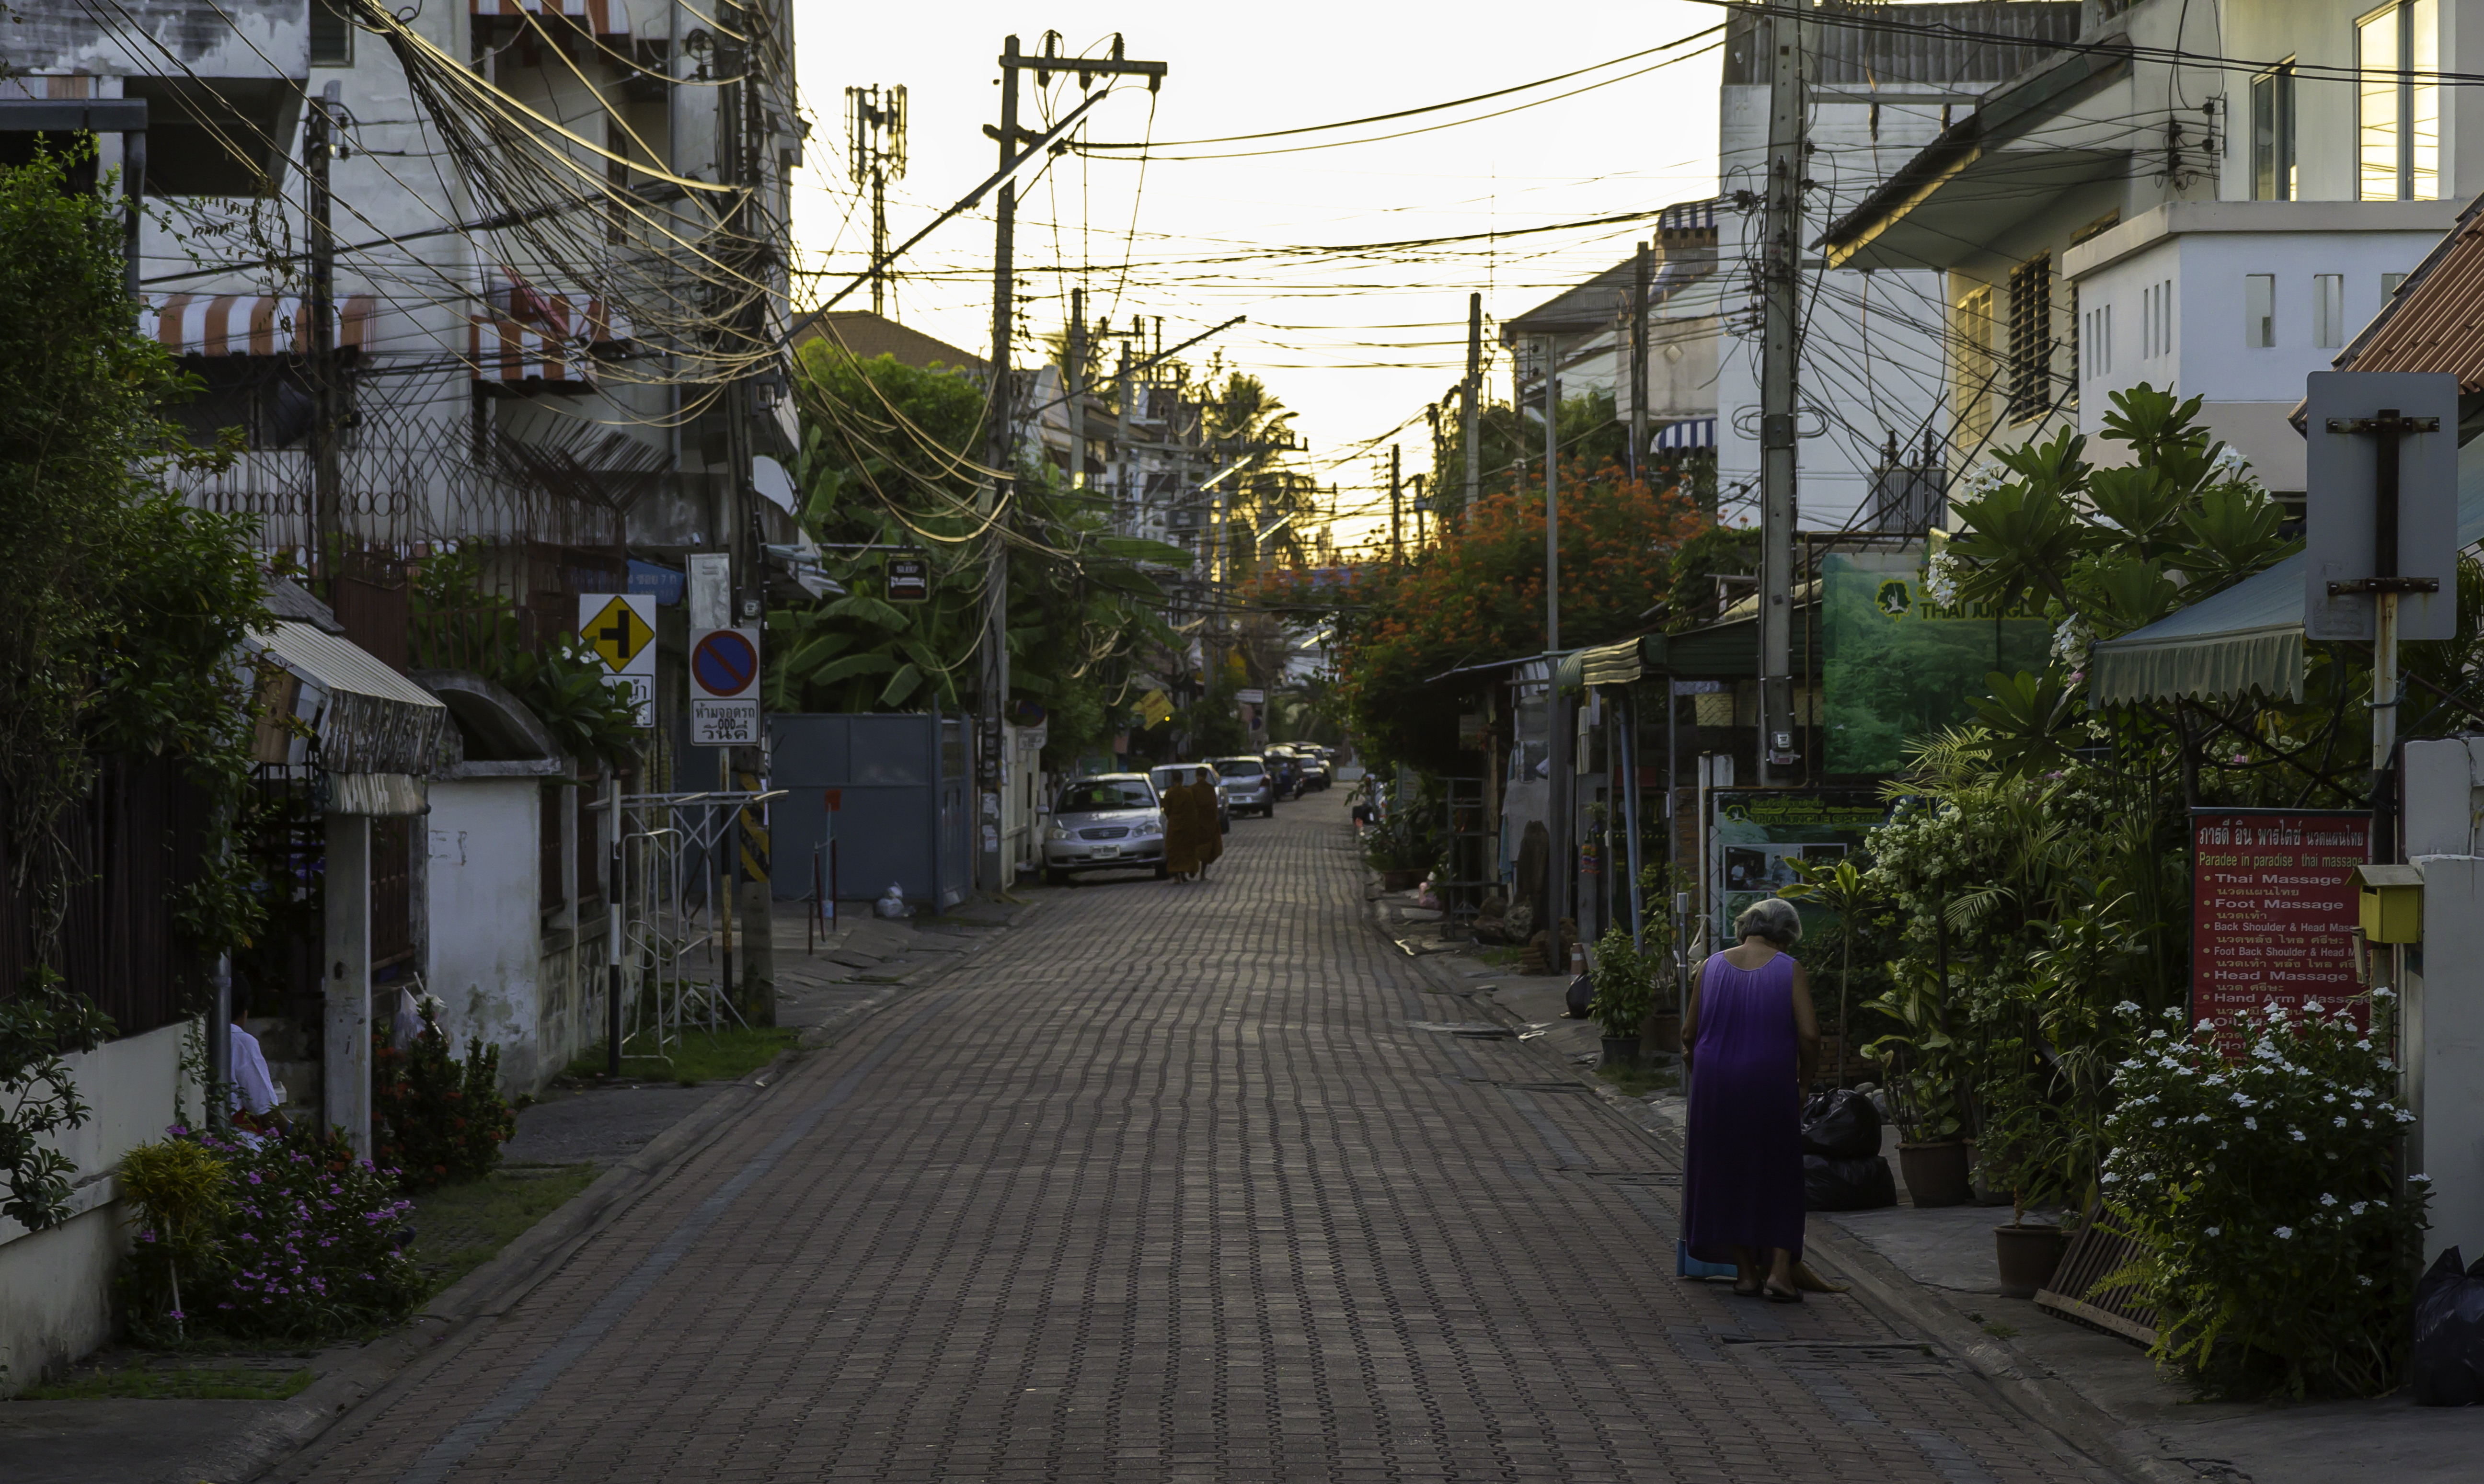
(1862, 45)
(2436, 320)
(373, 720)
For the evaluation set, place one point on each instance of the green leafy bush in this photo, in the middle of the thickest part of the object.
(2280, 1247)
(1625, 986)
(438, 1119)
(292, 1239)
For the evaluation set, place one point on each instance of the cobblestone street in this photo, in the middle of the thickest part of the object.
(1171, 1183)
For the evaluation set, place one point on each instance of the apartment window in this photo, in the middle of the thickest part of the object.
(2273, 134)
(2156, 319)
(1975, 365)
(331, 35)
(2397, 102)
(2030, 337)
(2070, 318)
(2096, 341)
(2389, 283)
(2328, 310)
(2259, 310)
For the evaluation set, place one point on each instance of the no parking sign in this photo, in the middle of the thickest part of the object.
(725, 687)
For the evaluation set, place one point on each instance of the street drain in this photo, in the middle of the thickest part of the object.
(1882, 1357)
(1670, 1180)
(1471, 1030)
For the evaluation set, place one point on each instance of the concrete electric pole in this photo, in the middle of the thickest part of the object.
(1000, 442)
(1638, 362)
(1781, 282)
(1469, 394)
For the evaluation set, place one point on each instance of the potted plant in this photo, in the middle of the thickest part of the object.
(1624, 990)
(1658, 883)
(1924, 1088)
(1845, 890)
(2023, 1151)
(1402, 849)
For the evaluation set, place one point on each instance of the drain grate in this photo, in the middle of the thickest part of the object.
(1666, 1179)
(1470, 1030)
(1881, 1356)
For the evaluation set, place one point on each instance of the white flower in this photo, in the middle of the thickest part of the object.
(2285, 1233)
(2159, 1123)
(2127, 1007)
(2364, 1278)
(2312, 1005)
(2356, 1209)
(2327, 1200)
(2216, 1231)
(2328, 1097)
(2297, 1133)
(2249, 1123)
(2364, 1044)
(2244, 1100)
(2386, 1065)
(2384, 993)
(2425, 1179)
(2402, 1116)
(2340, 1120)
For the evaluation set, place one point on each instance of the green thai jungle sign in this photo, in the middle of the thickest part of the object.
(1897, 665)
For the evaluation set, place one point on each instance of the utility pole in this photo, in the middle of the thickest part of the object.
(1561, 744)
(875, 155)
(1468, 391)
(1397, 514)
(327, 461)
(740, 134)
(1781, 280)
(1073, 387)
(1000, 440)
(1638, 362)
(1421, 505)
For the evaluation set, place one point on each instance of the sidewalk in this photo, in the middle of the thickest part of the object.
(633, 1133)
(1937, 1269)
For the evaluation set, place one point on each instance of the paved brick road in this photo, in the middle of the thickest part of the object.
(1170, 1186)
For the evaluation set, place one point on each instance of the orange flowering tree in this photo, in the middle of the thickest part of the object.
(1477, 595)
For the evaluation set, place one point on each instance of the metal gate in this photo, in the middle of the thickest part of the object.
(901, 788)
(677, 934)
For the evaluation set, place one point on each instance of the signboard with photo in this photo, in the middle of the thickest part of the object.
(1756, 836)
(1896, 664)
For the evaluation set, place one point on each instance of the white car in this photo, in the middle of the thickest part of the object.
(1164, 776)
(1111, 822)
(1243, 786)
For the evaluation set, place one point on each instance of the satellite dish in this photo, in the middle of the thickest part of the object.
(773, 484)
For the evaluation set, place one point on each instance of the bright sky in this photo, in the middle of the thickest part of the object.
(1356, 345)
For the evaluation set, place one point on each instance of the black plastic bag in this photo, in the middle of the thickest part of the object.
(1847, 1184)
(1841, 1125)
(2450, 1334)
(1582, 993)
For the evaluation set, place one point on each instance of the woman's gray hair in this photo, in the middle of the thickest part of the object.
(1772, 918)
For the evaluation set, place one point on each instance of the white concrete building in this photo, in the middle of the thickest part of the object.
(1873, 361)
(2212, 199)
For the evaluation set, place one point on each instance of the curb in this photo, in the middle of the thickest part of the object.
(534, 1255)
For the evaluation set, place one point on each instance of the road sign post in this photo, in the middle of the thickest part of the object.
(620, 627)
(2382, 508)
(725, 687)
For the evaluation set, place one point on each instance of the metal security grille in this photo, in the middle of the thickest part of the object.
(2030, 337)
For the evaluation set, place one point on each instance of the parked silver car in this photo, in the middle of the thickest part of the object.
(1163, 776)
(1111, 821)
(1244, 787)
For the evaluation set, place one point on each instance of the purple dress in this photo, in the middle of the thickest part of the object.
(1744, 1187)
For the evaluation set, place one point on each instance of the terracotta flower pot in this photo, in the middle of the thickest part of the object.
(2029, 1253)
(1936, 1173)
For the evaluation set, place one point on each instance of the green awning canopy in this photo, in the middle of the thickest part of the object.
(2247, 638)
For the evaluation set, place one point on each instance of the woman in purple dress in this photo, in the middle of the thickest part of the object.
(1752, 1045)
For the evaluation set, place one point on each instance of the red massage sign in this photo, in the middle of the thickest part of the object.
(2272, 907)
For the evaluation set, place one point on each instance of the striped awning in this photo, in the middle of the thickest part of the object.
(249, 324)
(602, 17)
(530, 335)
(1688, 433)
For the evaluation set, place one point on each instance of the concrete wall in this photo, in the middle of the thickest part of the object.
(56, 1284)
(487, 932)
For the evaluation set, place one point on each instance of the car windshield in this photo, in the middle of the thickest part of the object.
(1167, 777)
(1098, 794)
(1240, 767)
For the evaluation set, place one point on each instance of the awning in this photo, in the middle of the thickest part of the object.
(534, 335)
(249, 324)
(1688, 433)
(600, 17)
(1614, 665)
(378, 731)
(2247, 638)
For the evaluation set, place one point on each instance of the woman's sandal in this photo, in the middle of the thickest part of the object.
(1777, 1295)
(1752, 1292)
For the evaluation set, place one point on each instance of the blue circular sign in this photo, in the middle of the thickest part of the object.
(724, 662)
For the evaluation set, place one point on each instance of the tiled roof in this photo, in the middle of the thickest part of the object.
(870, 336)
(2435, 322)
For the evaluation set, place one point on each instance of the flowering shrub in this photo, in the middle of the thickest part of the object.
(2279, 1246)
(436, 1118)
(304, 1245)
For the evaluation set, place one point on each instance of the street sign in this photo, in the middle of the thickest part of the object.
(2356, 457)
(1252, 698)
(909, 578)
(620, 628)
(725, 687)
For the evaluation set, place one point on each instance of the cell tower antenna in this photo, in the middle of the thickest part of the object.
(876, 155)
